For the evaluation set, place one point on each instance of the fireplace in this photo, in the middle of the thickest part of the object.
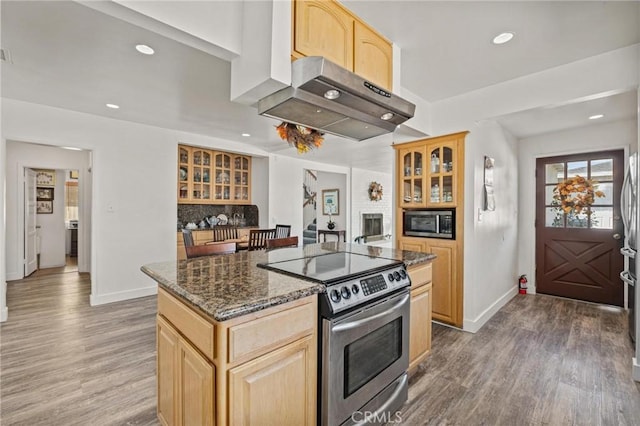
(372, 226)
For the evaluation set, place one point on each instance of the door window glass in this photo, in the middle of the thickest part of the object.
(583, 184)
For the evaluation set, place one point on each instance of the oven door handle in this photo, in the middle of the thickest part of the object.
(359, 323)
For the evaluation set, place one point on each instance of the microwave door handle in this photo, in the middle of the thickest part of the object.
(437, 224)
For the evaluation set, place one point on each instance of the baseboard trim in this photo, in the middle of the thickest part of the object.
(119, 296)
(12, 276)
(4, 314)
(474, 325)
(636, 369)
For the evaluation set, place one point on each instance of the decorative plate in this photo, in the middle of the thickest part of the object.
(222, 219)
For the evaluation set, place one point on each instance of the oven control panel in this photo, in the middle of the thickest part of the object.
(342, 296)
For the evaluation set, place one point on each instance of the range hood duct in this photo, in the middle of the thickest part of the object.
(355, 114)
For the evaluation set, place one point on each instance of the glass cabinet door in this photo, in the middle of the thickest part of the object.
(241, 178)
(412, 177)
(222, 176)
(184, 155)
(441, 175)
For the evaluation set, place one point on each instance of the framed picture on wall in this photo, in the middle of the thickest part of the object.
(45, 178)
(330, 204)
(44, 207)
(44, 194)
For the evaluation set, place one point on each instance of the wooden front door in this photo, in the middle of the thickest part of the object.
(578, 255)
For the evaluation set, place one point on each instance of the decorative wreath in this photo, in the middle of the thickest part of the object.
(303, 138)
(375, 191)
(576, 194)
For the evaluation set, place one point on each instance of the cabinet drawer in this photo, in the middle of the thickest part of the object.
(420, 274)
(253, 338)
(195, 328)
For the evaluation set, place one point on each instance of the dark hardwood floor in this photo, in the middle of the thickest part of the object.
(539, 361)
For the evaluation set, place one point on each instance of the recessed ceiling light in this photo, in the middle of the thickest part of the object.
(332, 94)
(113, 106)
(502, 38)
(246, 135)
(143, 48)
(595, 117)
(71, 148)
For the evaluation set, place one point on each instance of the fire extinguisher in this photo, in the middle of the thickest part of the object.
(522, 284)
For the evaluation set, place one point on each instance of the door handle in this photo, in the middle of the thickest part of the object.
(616, 236)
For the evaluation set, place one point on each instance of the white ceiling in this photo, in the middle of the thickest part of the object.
(67, 55)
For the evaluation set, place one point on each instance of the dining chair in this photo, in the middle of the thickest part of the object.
(221, 233)
(276, 243)
(187, 236)
(283, 231)
(210, 250)
(258, 238)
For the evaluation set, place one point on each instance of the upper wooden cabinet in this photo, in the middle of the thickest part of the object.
(431, 171)
(323, 28)
(372, 56)
(326, 28)
(213, 177)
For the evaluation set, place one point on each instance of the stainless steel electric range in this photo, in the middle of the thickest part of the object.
(363, 335)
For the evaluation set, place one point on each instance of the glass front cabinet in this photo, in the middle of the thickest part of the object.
(213, 177)
(428, 174)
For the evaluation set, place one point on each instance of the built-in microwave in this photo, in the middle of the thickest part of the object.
(433, 223)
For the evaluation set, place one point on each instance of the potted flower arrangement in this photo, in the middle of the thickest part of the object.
(331, 224)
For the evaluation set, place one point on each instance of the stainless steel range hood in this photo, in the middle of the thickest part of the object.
(355, 114)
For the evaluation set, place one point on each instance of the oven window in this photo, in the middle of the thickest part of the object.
(371, 354)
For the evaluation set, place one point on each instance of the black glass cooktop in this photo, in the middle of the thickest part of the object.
(332, 268)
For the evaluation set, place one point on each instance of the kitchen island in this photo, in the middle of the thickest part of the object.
(237, 344)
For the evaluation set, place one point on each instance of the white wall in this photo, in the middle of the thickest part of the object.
(622, 134)
(360, 202)
(285, 190)
(327, 180)
(134, 201)
(19, 156)
(52, 228)
(490, 244)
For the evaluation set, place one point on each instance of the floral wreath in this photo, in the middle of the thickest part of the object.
(303, 138)
(375, 191)
(576, 194)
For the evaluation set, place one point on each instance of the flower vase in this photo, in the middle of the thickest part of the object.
(331, 225)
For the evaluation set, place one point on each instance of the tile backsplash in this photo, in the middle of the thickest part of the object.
(196, 212)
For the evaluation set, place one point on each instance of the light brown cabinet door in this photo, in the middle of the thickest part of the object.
(403, 244)
(196, 404)
(167, 366)
(447, 297)
(276, 388)
(419, 325)
(373, 56)
(323, 28)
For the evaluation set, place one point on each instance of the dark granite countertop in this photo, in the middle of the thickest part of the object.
(229, 286)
